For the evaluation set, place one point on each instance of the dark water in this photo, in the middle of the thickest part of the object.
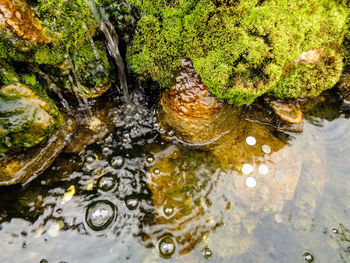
(119, 199)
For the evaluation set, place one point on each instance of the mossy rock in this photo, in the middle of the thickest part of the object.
(59, 34)
(27, 118)
(242, 49)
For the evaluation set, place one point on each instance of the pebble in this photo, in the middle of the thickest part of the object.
(250, 140)
(263, 169)
(247, 168)
(266, 149)
(250, 182)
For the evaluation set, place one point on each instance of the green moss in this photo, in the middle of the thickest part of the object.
(92, 68)
(27, 117)
(240, 48)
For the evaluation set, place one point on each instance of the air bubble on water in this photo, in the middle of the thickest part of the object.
(149, 159)
(107, 183)
(207, 253)
(263, 169)
(117, 162)
(168, 211)
(156, 171)
(131, 203)
(100, 215)
(247, 168)
(90, 158)
(250, 140)
(54, 228)
(308, 257)
(166, 247)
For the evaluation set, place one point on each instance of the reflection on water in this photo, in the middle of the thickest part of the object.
(253, 194)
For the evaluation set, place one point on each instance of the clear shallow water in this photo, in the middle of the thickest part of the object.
(158, 189)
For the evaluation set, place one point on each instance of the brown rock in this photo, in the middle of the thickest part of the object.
(17, 16)
(311, 56)
(288, 111)
(190, 110)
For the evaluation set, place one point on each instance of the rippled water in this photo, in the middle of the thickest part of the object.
(134, 197)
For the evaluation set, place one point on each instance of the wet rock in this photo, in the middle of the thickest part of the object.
(25, 166)
(27, 117)
(17, 16)
(92, 129)
(190, 110)
(344, 87)
(288, 111)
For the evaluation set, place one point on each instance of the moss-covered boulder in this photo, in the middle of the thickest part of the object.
(53, 35)
(243, 49)
(26, 118)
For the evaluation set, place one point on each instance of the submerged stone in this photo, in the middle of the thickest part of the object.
(94, 128)
(25, 166)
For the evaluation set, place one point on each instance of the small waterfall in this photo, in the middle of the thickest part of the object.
(112, 40)
(53, 87)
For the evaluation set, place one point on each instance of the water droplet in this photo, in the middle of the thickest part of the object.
(24, 245)
(156, 171)
(150, 159)
(107, 183)
(279, 175)
(266, 149)
(263, 169)
(168, 211)
(250, 140)
(250, 182)
(117, 162)
(308, 257)
(166, 247)
(207, 253)
(131, 203)
(44, 261)
(100, 215)
(247, 168)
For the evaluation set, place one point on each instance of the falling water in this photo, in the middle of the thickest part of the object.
(112, 39)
